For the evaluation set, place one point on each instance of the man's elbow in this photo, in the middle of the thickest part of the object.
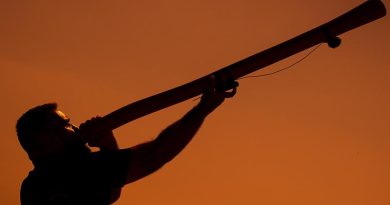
(137, 174)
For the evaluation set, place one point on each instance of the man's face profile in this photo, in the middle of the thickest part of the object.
(59, 136)
(62, 122)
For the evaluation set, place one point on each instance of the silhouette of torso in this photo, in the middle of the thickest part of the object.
(85, 180)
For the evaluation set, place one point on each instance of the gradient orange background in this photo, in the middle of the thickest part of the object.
(315, 134)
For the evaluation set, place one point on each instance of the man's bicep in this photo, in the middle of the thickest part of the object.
(144, 160)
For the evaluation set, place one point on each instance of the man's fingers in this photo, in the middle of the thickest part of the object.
(230, 94)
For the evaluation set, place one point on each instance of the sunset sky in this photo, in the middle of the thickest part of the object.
(315, 134)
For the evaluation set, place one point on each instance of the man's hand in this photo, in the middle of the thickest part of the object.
(212, 97)
(96, 136)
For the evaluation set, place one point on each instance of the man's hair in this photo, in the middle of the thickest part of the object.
(32, 123)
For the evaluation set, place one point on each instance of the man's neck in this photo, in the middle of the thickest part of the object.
(62, 158)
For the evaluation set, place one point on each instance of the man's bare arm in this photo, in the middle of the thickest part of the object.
(150, 156)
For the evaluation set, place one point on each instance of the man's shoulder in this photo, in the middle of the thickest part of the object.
(44, 187)
(37, 189)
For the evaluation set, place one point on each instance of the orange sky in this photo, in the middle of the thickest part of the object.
(317, 134)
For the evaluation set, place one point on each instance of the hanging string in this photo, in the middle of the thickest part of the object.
(277, 71)
(283, 69)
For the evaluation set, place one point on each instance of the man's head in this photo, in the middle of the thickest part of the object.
(44, 130)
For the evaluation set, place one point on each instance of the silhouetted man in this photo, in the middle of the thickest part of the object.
(67, 172)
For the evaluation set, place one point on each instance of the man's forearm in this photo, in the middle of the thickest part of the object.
(148, 157)
(174, 138)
